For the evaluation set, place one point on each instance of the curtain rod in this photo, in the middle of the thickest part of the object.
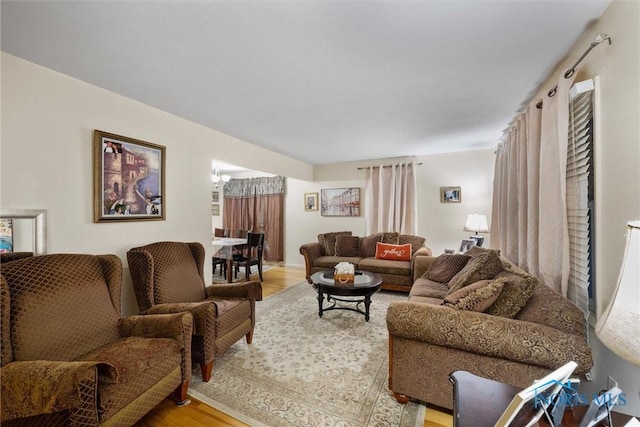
(599, 38)
(387, 166)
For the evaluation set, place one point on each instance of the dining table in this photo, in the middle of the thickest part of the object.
(223, 247)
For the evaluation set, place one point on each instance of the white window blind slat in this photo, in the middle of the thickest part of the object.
(579, 181)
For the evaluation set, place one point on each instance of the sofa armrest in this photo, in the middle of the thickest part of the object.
(481, 333)
(38, 387)
(251, 290)
(310, 251)
(177, 325)
(421, 264)
(203, 313)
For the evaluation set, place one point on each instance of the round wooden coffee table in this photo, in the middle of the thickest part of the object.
(365, 284)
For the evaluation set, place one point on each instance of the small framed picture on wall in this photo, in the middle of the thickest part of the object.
(450, 195)
(310, 202)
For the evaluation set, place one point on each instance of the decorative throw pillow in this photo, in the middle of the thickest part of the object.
(445, 267)
(483, 266)
(478, 296)
(347, 246)
(517, 290)
(368, 245)
(390, 237)
(328, 241)
(416, 241)
(475, 251)
(393, 252)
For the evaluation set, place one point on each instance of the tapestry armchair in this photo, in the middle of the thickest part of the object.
(168, 277)
(70, 359)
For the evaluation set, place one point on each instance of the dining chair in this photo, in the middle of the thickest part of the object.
(252, 255)
(168, 277)
(240, 233)
(215, 261)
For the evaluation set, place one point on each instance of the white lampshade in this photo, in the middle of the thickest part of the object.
(477, 223)
(619, 326)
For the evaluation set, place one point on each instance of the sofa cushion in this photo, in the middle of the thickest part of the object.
(428, 288)
(329, 262)
(328, 241)
(368, 245)
(400, 268)
(425, 300)
(417, 242)
(517, 290)
(390, 237)
(445, 267)
(478, 296)
(347, 246)
(483, 266)
(393, 252)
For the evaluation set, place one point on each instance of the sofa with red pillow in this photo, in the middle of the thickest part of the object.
(480, 313)
(392, 255)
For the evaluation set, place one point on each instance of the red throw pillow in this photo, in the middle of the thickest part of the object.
(393, 252)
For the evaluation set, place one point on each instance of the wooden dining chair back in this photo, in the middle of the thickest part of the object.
(253, 254)
(220, 232)
(216, 261)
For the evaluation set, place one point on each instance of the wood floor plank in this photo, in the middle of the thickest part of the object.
(198, 414)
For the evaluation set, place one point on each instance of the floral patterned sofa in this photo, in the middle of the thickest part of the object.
(342, 246)
(479, 313)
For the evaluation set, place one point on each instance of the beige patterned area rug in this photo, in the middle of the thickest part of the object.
(303, 370)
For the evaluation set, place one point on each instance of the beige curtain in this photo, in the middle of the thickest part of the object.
(257, 204)
(391, 199)
(528, 221)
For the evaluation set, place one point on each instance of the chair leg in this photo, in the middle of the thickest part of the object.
(206, 369)
(260, 270)
(249, 336)
(180, 394)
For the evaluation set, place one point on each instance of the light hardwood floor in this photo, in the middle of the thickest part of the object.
(198, 414)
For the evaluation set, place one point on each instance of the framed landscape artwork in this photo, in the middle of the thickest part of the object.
(128, 179)
(310, 202)
(215, 209)
(450, 194)
(340, 202)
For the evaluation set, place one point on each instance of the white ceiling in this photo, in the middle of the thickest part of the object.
(319, 81)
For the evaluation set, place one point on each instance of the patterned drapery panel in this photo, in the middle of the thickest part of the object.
(252, 187)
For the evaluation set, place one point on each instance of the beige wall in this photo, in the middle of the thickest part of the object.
(46, 162)
(617, 157)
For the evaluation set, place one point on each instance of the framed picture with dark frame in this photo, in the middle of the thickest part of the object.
(466, 244)
(340, 202)
(450, 194)
(128, 179)
(310, 202)
(215, 197)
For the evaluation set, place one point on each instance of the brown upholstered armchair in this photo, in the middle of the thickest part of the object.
(69, 359)
(168, 277)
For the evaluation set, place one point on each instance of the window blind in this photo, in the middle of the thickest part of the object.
(579, 199)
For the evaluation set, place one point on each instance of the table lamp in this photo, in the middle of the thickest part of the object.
(619, 326)
(478, 223)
